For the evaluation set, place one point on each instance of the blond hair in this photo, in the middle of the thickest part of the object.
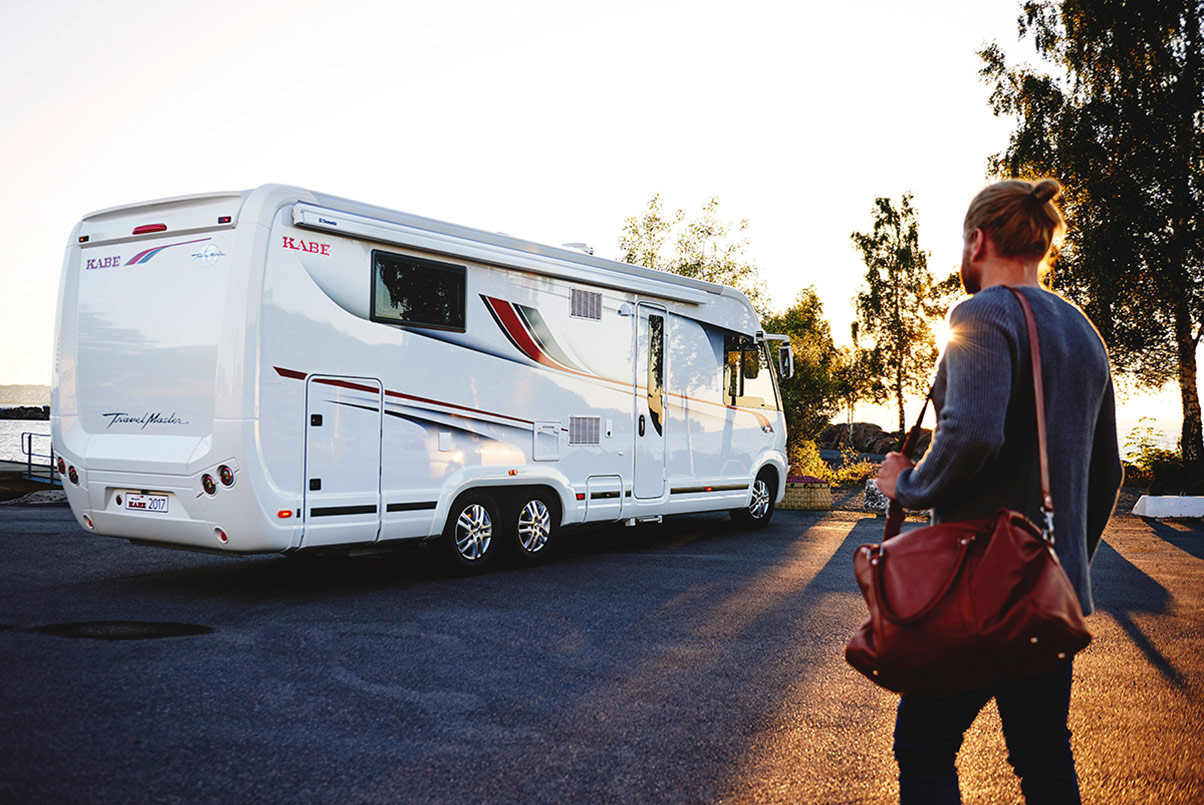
(1020, 216)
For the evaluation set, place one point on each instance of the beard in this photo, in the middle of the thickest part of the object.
(971, 277)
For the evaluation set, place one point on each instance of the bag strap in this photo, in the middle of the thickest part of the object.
(1034, 346)
(894, 517)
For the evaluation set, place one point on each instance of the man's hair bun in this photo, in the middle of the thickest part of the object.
(1046, 189)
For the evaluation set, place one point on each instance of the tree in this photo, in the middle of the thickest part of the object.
(705, 248)
(896, 309)
(811, 396)
(1122, 126)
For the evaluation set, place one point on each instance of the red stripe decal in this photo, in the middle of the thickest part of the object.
(293, 374)
(514, 327)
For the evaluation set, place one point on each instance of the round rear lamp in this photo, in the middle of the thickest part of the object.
(226, 474)
(62, 466)
(208, 484)
(221, 536)
(119, 500)
(73, 475)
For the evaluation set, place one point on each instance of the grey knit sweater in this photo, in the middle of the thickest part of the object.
(984, 452)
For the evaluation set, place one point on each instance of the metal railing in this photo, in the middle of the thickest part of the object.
(34, 469)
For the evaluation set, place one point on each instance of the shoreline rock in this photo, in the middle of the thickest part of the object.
(31, 412)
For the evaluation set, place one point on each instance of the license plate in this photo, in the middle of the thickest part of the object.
(146, 503)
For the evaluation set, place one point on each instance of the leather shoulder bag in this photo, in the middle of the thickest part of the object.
(963, 605)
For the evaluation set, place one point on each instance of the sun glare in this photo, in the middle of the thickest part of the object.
(942, 334)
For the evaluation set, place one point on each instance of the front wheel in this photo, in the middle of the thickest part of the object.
(761, 505)
(469, 538)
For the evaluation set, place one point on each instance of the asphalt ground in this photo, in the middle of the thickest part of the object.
(683, 662)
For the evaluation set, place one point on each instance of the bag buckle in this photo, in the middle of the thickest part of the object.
(1048, 533)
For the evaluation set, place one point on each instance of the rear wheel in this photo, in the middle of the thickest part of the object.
(532, 526)
(761, 505)
(469, 538)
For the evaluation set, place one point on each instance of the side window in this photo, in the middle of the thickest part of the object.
(419, 293)
(656, 370)
(747, 376)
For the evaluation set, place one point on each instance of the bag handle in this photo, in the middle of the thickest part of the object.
(894, 516)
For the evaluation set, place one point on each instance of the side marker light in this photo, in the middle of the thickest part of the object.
(284, 514)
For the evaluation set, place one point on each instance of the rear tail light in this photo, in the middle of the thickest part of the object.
(62, 467)
(73, 475)
(226, 474)
(148, 228)
(208, 484)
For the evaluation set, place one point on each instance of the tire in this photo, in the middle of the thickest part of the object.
(470, 538)
(532, 526)
(761, 506)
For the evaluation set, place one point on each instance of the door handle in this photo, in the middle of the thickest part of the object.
(641, 424)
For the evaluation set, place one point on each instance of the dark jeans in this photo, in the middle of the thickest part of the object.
(929, 731)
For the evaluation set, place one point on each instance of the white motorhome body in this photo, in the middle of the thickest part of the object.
(279, 370)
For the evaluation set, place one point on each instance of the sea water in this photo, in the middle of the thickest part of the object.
(10, 438)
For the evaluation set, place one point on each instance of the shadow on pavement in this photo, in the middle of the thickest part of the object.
(1131, 592)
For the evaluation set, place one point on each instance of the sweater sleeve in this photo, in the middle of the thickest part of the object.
(978, 367)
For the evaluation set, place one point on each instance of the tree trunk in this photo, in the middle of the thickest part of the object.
(1192, 438)
(899, 400)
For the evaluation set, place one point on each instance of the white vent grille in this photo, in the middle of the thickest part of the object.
(585, 430)
(587, 305)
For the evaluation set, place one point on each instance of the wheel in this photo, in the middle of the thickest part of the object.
(469, 539)
(532, 526)
(761, 506)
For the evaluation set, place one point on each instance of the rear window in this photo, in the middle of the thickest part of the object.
(417, 293)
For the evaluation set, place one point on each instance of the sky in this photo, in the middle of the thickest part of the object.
(551, 121)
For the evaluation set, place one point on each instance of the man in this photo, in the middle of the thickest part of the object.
(984, 457)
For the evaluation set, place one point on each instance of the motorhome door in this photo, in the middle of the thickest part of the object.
(342, 460)
(651, 409)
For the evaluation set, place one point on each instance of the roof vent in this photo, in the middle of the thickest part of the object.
(584, 248)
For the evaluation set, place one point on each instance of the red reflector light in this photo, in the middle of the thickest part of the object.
(225, 219)
(284, 514)
(580, 496)
(221, 536)
(146, 228)
(708, 489)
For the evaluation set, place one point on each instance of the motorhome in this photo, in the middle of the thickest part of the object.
(279, 370)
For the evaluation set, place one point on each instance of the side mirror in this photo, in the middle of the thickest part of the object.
(785, 361)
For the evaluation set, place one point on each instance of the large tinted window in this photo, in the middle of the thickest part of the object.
(420, 293)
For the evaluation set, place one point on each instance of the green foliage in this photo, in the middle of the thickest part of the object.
(1149, 463)
(896, 309)
(811, 396)
(852, 470)
(1121, 124)
(705, 247)
(805, 459)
